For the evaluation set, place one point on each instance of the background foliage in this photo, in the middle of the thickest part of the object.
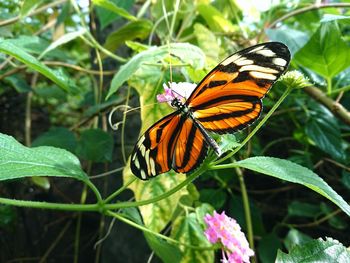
(65, 65)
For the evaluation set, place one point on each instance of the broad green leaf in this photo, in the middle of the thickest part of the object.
(111, 6)
(329, 250)
(187, 229)
(187, 53)
(134, 30)
(293, 38)
(294, 173)
(95, 145)
(215, 19)
(59, 137)
(18, 161)
(268, 246)
(158, 214)
(295, 237)
(301, 209)
(12, 50)
(168, 253)
(322, 128)
(326, 53)
(62, 40)
(330, 18)
(228, 142)
(28, 6)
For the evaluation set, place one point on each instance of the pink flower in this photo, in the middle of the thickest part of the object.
(181, 91)
(224, 229)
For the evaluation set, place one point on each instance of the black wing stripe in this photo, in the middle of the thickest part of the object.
(229, 98)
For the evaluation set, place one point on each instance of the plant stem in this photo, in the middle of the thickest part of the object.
(247, 212)
(121, 189)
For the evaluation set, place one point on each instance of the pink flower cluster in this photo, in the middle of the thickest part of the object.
(224, 229)
(181, 91)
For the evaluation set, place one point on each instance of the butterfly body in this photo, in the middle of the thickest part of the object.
(228, 99)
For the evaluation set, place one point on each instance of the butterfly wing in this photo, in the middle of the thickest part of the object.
(229, 97)
(191, 147)
(153, 152)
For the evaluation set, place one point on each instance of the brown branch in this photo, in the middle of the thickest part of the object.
(307, 9)
(336, 108)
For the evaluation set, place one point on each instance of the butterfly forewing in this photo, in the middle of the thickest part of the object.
(152, 154)
(229, 97)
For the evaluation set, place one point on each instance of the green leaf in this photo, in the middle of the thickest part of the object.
(293, 38)
(215, 197)
(215, 19)
(8, 216)
(12, 50)
(188, 230)
(326, 53)
(158, 214)
(294, 173)
(28, 6)
(134, 30)
(329, 250)
(42, 182)
(322, 128)
(228, 142)
(345, 179)
(59, 137)
(18, 83)
(63, 40)
(268, 247)
(18, 161)
(168, 253)
(295, 237)
(95, 145)
(109, 5)
(301, 209)
(187, 53)
(330, 17)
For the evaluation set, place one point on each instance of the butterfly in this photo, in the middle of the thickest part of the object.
(228, 99)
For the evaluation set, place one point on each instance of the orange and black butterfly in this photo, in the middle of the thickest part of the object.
(228, 99)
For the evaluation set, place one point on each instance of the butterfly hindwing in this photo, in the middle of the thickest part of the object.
(229, 97)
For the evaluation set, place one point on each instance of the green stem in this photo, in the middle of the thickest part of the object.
(53, 206)
(96, 191)
(247, 212)
(261, 123)
(121, 189)
(329, 86)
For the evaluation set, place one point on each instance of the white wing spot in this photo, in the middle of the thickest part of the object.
(136, 162)
(243, 61)
(261, 75)
(256, 49)
(142, 149)
(143, 174)
(229, 60)
(258, 68)
(266, 52)
(153, 166)
(279, 62)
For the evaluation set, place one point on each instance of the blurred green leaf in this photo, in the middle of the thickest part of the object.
(295, 238)
(215, 197)
(95, 145)
(294, 173)
(293, 38)
(207, 41)
(330, 17)
(112, 6)
(329, 250)
(345, 179)
(326, 53)
(133, 30)
(188, 230)
(187, 53)
(18, 161)
(28, 6)
(18, 83)
(268, 246)
(8, 216)
(335, 221)
(59, 137)
(12, 50)
(301, 209)
(168, 253)
(215, 19)
(42, 182)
